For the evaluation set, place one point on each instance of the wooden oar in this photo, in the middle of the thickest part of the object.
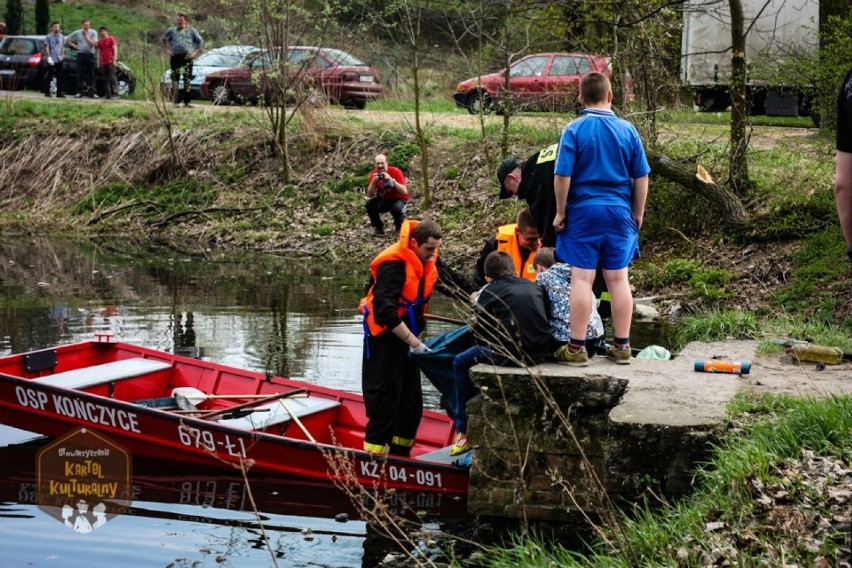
(221, 411)
(436, 317)
(197, 396)
(297, 421)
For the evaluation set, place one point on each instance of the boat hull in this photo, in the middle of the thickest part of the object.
(31, 404)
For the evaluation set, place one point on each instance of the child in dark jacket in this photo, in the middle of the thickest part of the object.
(511, 328)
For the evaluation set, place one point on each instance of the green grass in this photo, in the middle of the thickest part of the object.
(429, 105)
(818, 262)
(814, 330)
(719, 325)
(723, 118)
(776, 431)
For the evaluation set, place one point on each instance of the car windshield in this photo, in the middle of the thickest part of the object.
(18, 46)
(225, 60)
(342, 58)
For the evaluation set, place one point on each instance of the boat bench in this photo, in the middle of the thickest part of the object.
(273, 413)
(105, 373)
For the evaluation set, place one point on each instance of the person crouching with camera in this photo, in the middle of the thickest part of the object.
(386, 192)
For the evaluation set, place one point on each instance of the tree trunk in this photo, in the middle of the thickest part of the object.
(739, 104)
(725, 202)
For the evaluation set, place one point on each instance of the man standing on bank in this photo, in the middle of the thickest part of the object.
(54, 49)
(182, 44)
(85, 42)
(404, 275)
(386, 191)
(601, 185)
(843, 157)
(107, 56)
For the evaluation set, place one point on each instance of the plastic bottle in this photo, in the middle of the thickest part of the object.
(810, 353)
(732, 367)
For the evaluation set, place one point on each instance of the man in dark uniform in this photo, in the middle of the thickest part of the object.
(532, 181)
(843, 166)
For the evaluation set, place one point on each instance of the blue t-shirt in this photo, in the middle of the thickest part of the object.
(602, 154)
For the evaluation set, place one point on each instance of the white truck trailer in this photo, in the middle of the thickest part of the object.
(775, 30)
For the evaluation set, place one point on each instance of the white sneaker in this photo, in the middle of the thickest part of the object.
(78, 96)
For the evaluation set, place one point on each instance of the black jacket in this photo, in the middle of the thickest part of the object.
(536, 188)
(511, 318)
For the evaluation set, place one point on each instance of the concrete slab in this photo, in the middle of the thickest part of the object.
(672, 393)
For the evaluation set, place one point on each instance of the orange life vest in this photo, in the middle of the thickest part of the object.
(415, 271)
(507, 241)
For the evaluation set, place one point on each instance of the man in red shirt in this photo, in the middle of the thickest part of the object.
(386, 191)
(107, 54)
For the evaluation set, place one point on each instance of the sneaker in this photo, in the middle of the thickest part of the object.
(78, 96)
(578, 359)
(95, 96)
(378, 232)
(621, 355)
(460, 446)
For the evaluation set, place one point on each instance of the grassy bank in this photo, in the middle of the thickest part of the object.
(778, 491)
(208, 178)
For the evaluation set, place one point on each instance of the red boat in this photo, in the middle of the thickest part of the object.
(269, 425)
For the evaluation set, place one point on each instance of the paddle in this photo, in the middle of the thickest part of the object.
(196, 396)
(435, 317)
(278, 396)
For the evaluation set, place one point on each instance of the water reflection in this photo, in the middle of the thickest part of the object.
(294, 318)
(187, 516)
(291, 318)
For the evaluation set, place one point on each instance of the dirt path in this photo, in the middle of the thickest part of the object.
(762, 138)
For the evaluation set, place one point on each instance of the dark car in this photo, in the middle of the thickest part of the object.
(22, 66)
(542, 81)
(124, 74)
(21, 62)
(340, 77)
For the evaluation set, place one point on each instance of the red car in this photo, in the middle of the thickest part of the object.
(342, 78)
(544, 81)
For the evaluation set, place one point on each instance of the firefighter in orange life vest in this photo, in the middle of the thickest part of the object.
(520, 240)
(404, 276)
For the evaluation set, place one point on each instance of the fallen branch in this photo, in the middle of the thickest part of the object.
(726, 202)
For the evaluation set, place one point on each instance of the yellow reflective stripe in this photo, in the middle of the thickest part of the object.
(375, 448)
(548, 154)
(605, 297)
(404, 442)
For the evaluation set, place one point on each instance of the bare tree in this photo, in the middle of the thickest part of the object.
(409, 15)
(739, 110)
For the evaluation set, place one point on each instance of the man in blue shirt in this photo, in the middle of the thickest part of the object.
(54, 51)
(601, 184)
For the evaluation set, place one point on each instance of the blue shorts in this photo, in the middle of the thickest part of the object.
(599, 234)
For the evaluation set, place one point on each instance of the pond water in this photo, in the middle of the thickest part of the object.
(291, 318)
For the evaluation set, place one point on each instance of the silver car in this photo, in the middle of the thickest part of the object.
(224, 57)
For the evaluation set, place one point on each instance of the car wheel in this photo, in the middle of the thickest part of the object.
(478, 103)
(123, 85)
(221, 94)
(358, 105)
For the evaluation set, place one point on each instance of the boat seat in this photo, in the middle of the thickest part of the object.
(106, 373)
(273, 413)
